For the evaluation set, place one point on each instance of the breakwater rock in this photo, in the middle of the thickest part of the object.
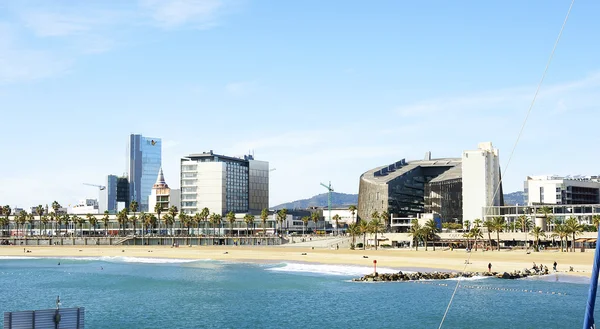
(400, 276)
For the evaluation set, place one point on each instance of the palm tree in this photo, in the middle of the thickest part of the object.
(352, 209)
(385, 218)
(364, 229)
(498, 223)
(305, 220)
(59, 222)
(67, 220)
(231, 219)
(416, 232)
(6, 211)
(122, 220)
(31, 220)
(44, 220)
(375, 225)
(596, 221)
(524, 223)
(80, 222)
(467, 225)
(249, 220)
(537, 232)
(546, 214)
(489, 225)
(169, 220)
(158, 210)
(264, 215)
(173, 212)
(281, 217)
(573, 227)
(93, 221)
(21, 219)
(184, 221)
(432, 229)
(133, 220)
(354, 230)
(205, 213)
(315, 218)
(40, 211)
(197, 221)
(560, 231)
(476, 234)
(150, 221)
(105, 220)
(55, 207)
(337, 218)
(477, 222)
(215, 220)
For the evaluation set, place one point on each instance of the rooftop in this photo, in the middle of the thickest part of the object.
(387, 173)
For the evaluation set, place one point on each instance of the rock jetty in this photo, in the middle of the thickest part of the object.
(400, 276)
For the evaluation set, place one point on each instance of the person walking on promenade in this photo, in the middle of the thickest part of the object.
(489, 267)
(555, 266)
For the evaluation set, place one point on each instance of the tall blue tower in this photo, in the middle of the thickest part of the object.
(145, 159)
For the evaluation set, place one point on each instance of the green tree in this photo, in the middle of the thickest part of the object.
(363, 229)
(376, 226)
(537, 232)
(80, 222)
(416, 232)
(432, 229)
(31, 221)
(44, 220)
(467, 225)
(561, 232)
(6, 211)
(158, 210)
(133, 220)
(596, 221)
(93, 221)
(281, 217)
(524, 223)
(477, 222)
(231, 220)
(385, 218)
(305, 220)
(498, 227)
(205, 213)
(40, 212)
(489, 226)
(336, 218)
(354, 230)
(105, 220)
(475, 234)
(546, 214)
(574, 228)
(169, 221)
(352, 209)
(184, 221)
(264, 215)
(122, 219)
(249, 220)
(173, 212)
(315, 218)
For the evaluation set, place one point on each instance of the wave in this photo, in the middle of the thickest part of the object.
(125, 259)
(325, 269)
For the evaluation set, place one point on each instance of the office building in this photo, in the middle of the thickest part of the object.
(122, 193)
(144, 160)
(162, 195)
(550, 190)
(84, 207)
(453, 188)
(224, 183)
(480, 181)
(108, 196)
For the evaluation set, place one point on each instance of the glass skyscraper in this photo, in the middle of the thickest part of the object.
(145, 155)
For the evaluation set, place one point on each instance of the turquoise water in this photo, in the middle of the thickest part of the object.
(124, 292)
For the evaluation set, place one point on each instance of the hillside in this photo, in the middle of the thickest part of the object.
(337, 200)
(344, 200)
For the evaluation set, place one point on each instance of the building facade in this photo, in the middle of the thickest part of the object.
(162, 195)
(224, 183)
(480, 181)
(108, 196)
(84, 207)
(558, 190)
(144, 159)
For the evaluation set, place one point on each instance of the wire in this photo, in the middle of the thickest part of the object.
(514, 147)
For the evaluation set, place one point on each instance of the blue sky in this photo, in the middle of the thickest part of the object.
(324, 90)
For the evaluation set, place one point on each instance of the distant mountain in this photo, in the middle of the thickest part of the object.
(337, 200)
(344, 200)
(514, 198)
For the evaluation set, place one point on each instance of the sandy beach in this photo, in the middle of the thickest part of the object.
(439, 259)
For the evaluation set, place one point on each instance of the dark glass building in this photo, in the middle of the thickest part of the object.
(144, 163)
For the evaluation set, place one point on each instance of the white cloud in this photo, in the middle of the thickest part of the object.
(173, 13)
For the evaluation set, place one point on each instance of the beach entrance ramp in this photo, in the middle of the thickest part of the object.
(64, 318)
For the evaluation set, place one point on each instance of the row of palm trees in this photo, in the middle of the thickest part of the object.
(130, 215)
(363, 227)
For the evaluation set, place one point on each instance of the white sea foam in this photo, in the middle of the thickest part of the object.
(341, 270)
(17, 257)
(123, 259)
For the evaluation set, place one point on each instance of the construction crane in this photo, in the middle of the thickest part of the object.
(272, 169)
(100, 187)
(329, 190)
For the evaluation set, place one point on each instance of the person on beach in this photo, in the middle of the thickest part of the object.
(489, 267)
(554, 268)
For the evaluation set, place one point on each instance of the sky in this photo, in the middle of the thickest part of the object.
(323, 90)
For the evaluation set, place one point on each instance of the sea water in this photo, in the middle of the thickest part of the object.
(122, 292)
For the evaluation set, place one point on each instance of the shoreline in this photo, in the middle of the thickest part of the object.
(439, 260)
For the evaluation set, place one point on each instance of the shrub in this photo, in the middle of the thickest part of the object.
(359, 245)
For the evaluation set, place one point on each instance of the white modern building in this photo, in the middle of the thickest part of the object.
(161, 194)
(344, 213)
(552, 190)
(480, 181)
(224, 183)
(84, 207)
